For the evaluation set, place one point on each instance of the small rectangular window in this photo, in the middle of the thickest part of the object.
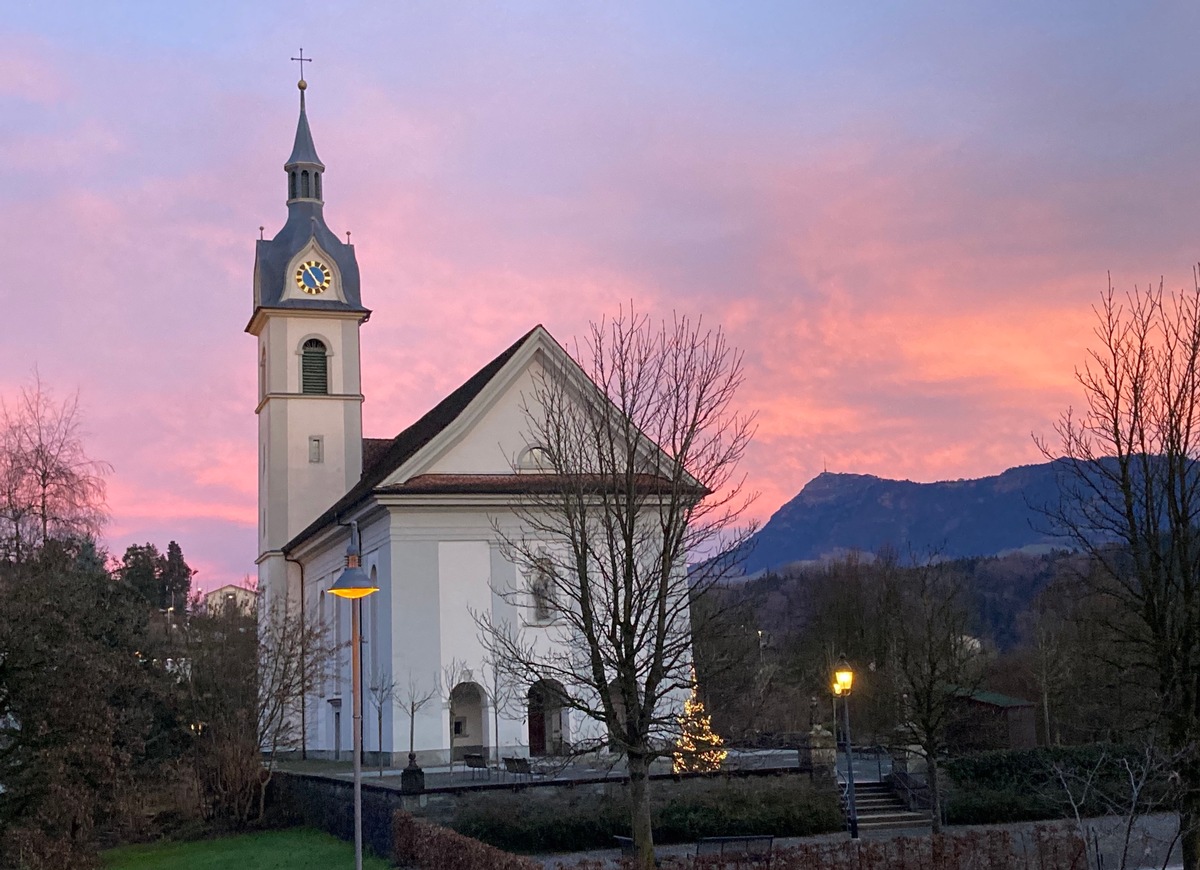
(460, 727)
(316, 448)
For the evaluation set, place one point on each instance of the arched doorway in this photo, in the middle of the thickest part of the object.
(466, 721)
(548, 733)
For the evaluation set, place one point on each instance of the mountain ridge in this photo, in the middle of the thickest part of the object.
(836, 512)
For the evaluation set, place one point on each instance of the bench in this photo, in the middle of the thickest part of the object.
(519, 767)
(475, 763)
(627, 850)
(756, 847)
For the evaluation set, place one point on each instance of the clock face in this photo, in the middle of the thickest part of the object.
(313, 277)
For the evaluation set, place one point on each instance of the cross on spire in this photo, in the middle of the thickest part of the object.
(302, 60)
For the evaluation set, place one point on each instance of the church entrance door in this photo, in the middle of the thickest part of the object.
(547, 719)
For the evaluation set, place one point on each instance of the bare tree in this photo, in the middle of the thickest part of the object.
(1120, 786)
(245, 677)
(635, 449)
(48, 485)
(411, 696)
(453, 672)
(382, 690)
(1130, 497)
(936, 662)
(503, 694)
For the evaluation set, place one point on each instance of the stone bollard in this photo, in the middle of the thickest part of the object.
(819, 754)
(412, 778)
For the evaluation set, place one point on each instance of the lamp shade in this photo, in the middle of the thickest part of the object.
(843, 679)
(354, 583)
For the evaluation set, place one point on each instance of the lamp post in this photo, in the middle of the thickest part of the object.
(843, 681)
(354, 584)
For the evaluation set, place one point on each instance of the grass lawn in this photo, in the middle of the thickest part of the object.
(295, 849)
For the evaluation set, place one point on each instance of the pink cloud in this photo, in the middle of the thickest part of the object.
(911, 306)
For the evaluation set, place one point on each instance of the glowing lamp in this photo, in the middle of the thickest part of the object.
(843, 678)
(354, 582)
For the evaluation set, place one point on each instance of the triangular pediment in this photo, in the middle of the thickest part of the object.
(476, 439)
(488, 436)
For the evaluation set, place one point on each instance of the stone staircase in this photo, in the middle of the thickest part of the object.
(879, 809)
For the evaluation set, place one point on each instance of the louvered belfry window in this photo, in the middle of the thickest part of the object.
(314, 367)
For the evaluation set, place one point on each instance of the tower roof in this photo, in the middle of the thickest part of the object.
(303, 150)
(273, 263)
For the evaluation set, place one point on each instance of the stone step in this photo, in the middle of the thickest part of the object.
(879, 809)
(916, 823)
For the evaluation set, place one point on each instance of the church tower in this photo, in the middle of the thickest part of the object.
(307, 315)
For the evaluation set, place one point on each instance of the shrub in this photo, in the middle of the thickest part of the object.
(1022, 785)
(783, 806)
(976, 805)
(527, 822)
(422, 844)
(535, 821)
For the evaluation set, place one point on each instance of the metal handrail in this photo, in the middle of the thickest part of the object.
(914, 792)
(843, 787)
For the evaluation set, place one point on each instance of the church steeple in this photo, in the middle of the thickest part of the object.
(306, 265)
(304, 167)
(307, 316)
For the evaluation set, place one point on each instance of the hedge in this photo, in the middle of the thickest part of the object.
(417, 843)
(580, 819)
(1022, 785)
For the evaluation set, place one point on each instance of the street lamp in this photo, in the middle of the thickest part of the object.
(843, 682)
(354, 584)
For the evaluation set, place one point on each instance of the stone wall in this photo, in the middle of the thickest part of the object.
(327, 803)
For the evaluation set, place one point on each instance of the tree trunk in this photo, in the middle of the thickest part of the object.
(935, 798)
(381, 742)
(1189, 824)
(1046, 712)
(639, 801)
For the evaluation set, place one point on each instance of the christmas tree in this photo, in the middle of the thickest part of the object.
(699, 748)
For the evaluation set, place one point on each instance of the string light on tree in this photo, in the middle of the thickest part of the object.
(699, 749)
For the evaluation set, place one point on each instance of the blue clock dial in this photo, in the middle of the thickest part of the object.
(313, 277)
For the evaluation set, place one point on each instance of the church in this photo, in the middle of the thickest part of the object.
(425, 504)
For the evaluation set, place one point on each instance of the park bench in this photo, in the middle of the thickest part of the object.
(755, 847)
(519, 767)
(627, 850)
(475, 763)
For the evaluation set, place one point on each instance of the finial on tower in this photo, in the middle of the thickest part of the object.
(302, 84)
(302, 60)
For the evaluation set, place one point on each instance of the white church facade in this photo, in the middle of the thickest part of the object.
(426, 504)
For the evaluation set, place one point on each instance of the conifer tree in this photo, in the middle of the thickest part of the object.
(699, 749)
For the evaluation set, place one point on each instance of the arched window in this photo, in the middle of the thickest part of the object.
(304, 191)
(314, 367)
(292, 185)
(534, 458)
(317, 185)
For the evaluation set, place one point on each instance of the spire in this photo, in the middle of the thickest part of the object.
(304, 168)
(303, 151)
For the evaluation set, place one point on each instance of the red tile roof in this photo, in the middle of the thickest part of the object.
(515, 484)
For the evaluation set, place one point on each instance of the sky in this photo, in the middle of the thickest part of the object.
(903, 213)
